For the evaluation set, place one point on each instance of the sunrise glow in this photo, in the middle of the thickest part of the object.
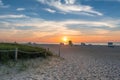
(50, 22)
(65, 39)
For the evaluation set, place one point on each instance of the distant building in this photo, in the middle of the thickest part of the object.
(110, 44)
(15, 42)
(83, 44)
(89, 44)
(34, 43)
(61, 43)
(70, 43)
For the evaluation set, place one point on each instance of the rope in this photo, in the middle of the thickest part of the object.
(20, 51)
(28, 52)
(6, 50)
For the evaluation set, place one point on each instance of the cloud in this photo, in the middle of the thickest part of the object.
(2, 5)
(87, 23)
(101, 31)
(12, 16)
(70, 6)
(38, 28)
(1, 2)
(20, 9)
(100, 27)
(33, 13)
(50, 10)
(65, 27)
(70, 1)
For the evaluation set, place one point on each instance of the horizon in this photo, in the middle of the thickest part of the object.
(49, 21)
(78, 43)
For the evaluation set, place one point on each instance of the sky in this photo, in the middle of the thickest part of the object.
(47, 21)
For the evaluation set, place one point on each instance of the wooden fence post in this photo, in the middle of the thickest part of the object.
(16, 54)
(48, 49)
(59, 50)
(45, 52)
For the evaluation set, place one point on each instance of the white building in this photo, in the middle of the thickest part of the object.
(110, 44)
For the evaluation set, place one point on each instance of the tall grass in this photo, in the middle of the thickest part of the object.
(5, 56)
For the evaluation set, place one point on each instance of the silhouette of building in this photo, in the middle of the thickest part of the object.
(61, 43)
(83, 44)
(110, 44)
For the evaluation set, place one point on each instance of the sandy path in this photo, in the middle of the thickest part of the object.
(78, 64)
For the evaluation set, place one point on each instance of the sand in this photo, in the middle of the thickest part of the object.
(79, 63)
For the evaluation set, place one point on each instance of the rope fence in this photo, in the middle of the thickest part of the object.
(6, 50)
(28, 52)
(17, 50)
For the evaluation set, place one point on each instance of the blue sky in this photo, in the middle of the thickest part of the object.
(34, 20)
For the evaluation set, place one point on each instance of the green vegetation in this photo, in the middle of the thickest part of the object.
(8, 55)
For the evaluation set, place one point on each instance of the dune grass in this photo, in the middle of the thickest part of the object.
(5, 56)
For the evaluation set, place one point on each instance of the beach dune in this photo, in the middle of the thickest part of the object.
(78, 63)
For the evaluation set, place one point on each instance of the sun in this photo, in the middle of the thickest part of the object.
(65, 39)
